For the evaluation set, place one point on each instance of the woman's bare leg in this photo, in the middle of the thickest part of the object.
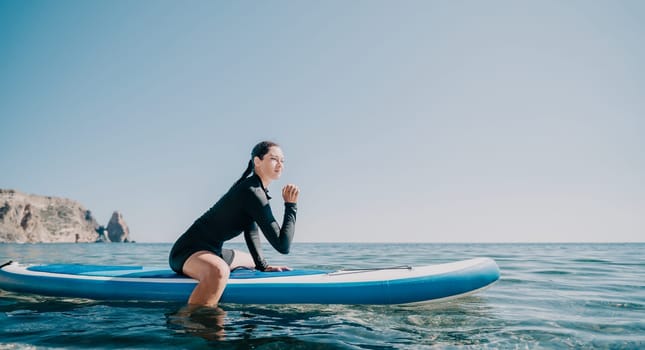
(242, 259)
(212, 273)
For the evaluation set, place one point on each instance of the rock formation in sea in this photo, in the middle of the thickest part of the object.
(117, 229)
(28, 218)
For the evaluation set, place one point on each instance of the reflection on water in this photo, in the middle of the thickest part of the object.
(464, 321)
(204, 322)
(242, 326)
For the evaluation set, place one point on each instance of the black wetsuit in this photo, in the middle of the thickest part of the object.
(242, 209)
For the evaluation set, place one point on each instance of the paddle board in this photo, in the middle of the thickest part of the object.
(395, 285)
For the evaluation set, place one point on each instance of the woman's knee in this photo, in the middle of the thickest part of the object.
(207, 267)
(219, 271)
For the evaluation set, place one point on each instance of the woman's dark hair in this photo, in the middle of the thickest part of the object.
(259, 150)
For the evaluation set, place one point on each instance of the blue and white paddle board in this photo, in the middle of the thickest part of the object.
(397, 285)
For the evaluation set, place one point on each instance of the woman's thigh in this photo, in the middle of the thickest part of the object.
(202, 264)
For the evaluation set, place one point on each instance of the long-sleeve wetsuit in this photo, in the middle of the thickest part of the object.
(242, 209)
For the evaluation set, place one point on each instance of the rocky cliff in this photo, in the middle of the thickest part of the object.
(27, 218)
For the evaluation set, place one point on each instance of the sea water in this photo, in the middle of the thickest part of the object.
(549, 296)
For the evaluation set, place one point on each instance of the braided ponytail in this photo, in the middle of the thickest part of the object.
(247, 172)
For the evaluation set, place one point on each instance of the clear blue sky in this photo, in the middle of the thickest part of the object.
(414, 121)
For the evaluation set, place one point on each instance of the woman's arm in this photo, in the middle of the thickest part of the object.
(252, 239)
(260, 210)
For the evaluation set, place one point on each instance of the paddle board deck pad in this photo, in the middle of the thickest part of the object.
(396, 285)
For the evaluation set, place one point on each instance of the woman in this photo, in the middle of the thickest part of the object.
(198, 252)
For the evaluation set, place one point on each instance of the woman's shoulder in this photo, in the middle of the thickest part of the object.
(250, 185)
(251, 189)
(251, 182)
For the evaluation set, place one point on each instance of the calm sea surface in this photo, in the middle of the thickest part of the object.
(549, 296)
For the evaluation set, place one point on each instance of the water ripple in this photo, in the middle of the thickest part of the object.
(549, 296)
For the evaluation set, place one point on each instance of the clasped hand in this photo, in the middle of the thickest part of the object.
(290, 193)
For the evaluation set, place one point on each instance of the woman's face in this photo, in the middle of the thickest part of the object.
(271, 165)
